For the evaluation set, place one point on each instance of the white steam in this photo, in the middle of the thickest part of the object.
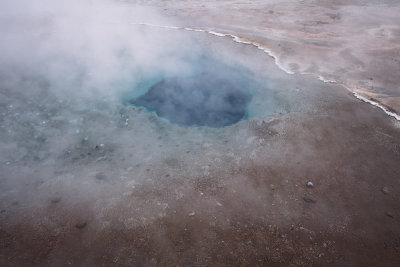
(81, 46)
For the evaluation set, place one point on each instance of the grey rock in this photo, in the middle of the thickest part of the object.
(309, 200)
(390, 215)
(81, 225)
(385, 190)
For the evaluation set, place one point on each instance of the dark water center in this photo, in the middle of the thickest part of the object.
(206, 99)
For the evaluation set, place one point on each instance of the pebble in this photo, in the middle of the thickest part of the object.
(310, 184)
(272, 187)
(191, 214)
(81, 225)
(309, 200)
(390, 215)
(385, 190)
(100, 176)
(55, 200)
(101, 158)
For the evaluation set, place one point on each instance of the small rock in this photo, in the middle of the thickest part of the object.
(3, 211)
(55, 200)
(172, 162)
(81, 225)
(310, 184)
(128, 193)
(191, 214)
(100, 176)
(272, 186)
(101, 158)
(390, 215)
(309, 200)
(385, 190)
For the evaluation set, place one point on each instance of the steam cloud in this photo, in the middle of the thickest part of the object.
(83, 47)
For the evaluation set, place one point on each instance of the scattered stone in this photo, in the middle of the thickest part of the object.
(172, 162)
(101, 158)
(3, 211)
(390, 215)
(191, 214)
(309, 200)
(128, 193)
(55, 200)
(272, 186)
(167, 175)
(385, 190)
(81, 225)
(100, 176)
(310, 184)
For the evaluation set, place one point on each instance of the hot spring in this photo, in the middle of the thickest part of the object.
(213, 85)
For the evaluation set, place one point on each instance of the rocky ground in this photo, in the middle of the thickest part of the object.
(99, 183)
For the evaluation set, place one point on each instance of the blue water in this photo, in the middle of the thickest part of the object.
(209, 91)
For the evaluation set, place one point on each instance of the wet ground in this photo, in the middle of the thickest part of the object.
(87, 180)
(355, 43)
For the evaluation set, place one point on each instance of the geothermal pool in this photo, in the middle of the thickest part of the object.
(217, 96)
(216, 87)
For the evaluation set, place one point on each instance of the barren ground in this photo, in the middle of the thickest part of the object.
(164, 195)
